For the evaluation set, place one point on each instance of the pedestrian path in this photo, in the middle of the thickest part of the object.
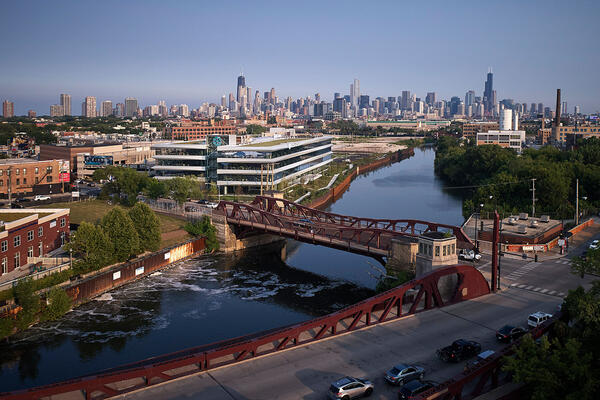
(534, 288)
(518, 273)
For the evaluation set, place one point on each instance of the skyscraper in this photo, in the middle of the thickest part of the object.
(430, 98)
(224, 101)
(88, 107)
(405, 100)
(354, 93)
(8, 109)
(65, 102)
(272, 96)
(469, 98)
(241, 86)
(488, 95)
(57, 110)
(106, 109)
(131, 106)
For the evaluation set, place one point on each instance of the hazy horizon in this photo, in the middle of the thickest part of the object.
(192, 52)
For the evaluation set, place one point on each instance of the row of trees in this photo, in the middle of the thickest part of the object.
(566, 364)
(118, 236)
(124, 184)
(506, 176)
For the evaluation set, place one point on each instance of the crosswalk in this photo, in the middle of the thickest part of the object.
(518, 273)
(562, 261)
(533, 288)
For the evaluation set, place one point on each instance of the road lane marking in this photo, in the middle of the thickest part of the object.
(537, 289)
(544, 291)
(529, 287)
(552, 292)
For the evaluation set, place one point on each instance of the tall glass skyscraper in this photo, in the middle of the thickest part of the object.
(488, 96)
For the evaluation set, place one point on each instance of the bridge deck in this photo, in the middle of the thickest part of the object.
(306, 372)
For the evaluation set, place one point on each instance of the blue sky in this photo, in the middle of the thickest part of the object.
(192, 51)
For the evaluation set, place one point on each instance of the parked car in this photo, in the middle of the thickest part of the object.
(469, 255)
(460, 349)
(40, 197)
(508, 333)
(414, 388)
(480, 357)
(350, 388)
(538, 318)
(402, 373)
(595, 244)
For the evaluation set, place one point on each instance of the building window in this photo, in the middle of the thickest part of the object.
(30, 251)
(17, 171)
(437, 251)
(1, 172)
(29, 236)
(429, 250)
(420, 248)
(4, 265)
(40, 231)
(17, 259)
(49, 170)
(24, 171)
(444, 251)
(63, 222)
(1, 182)
(17, 240)
(37, 180)
(41, 248)
(453, 248)
(49, 178)
(18, 181)
(24, 181)
(4, 245)
(37, 170)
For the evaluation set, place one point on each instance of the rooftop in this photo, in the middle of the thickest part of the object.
(271, 143)
(524, 225)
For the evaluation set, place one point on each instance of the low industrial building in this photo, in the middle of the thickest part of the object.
(509, 139)
(471, 129)
(26, 233)
(263, 163)
(24, 177)
(561, 134)
(522, 229)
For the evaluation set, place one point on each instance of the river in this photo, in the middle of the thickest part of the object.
(210, 298)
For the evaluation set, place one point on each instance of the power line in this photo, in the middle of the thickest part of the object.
(487, 184)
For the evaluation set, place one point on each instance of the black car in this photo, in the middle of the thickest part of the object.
(508, 333)
(460, 349)
(414, 388)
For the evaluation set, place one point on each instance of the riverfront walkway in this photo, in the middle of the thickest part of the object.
(306, 372)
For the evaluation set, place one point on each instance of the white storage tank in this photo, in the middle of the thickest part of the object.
(506, 120)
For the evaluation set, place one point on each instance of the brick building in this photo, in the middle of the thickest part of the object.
(30, 233)
(23, 177)
(471, 129)
(198, 130)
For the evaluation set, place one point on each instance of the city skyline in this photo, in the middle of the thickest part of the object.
(437, 47)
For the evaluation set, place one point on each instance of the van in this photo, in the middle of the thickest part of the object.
(538, 318)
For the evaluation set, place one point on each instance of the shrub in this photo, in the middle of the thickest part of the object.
(204, 228)
(59, 303)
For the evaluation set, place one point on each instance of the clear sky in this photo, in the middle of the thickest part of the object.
(192, 51)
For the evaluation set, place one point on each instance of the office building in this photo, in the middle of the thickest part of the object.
(119, 110)
(31, 114)
(65, 102)
(56, 110)
(88, 107)
(510, 139)
(131, 107)
(540, 108)
(470, 129)
(106, 109)
(241, 88)
(198, 130)
(560, 134)
(8, 109)
(430, 98)
(354, 93)
(31, 232)
(248, 166)
(22, 177)
(405, 100)
(488, 92)
(96, 157)
(469, 98)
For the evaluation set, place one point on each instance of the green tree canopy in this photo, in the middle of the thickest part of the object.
(121, 232)
(147, 226)
(254, 129)
(92, 245)
(123, 182)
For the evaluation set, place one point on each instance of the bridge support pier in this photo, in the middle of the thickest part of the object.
(229, 241)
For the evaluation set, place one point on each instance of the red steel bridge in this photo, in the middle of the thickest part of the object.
(412, 297)
(366, 236)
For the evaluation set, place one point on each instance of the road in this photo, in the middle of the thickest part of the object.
(306, 372)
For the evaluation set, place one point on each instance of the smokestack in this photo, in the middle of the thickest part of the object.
(557, 120)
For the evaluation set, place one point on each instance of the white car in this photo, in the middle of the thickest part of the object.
(40, 197)
(538, 318)
(469, 255)
(595, 244)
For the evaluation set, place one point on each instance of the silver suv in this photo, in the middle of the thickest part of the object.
(349, 388)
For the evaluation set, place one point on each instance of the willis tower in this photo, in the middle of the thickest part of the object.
(488, 93)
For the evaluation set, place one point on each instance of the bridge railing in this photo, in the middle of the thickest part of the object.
(413, 297)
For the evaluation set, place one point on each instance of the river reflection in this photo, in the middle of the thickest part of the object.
(198, 301)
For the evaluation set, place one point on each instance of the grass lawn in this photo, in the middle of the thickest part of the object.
(94, 210)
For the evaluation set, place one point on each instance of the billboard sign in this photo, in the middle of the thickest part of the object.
(64, 177)
(100, 161)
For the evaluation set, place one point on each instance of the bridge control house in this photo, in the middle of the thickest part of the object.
(30, 232)
(260, 164)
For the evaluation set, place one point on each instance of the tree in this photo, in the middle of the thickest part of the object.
(156, 189)
(254, 129)
(238, 192)
(59, 303)
(183, 188)
(123, 182)
(588, 265)
(204, 228)
(122, 235)
(147, 226)
(30, 302)
(92, 245)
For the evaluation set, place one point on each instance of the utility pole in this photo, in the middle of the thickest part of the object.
(576, 202)
(533, 197)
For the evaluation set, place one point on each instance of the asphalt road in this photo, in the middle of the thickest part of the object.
(306, 372)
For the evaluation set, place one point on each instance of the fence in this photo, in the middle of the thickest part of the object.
(35, 275)
(188, 209)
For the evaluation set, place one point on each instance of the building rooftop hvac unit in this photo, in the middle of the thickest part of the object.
(523, 216)
(522, 229)
(533, 223)
(511, 221)
(545, 218)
